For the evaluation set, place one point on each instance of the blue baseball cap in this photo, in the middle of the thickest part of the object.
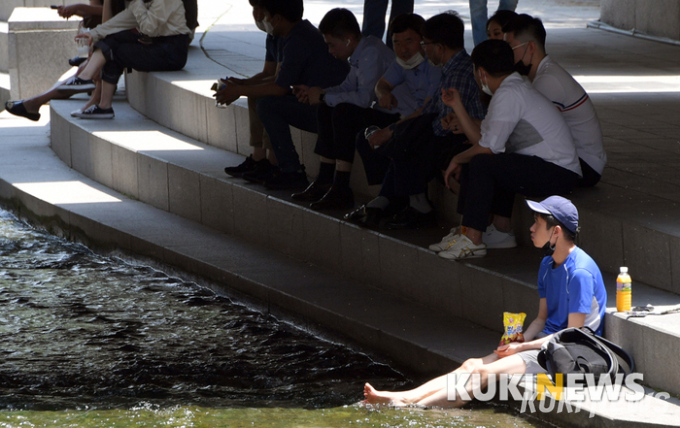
(561, 208)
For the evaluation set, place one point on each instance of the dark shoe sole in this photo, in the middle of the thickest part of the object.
(17, 109)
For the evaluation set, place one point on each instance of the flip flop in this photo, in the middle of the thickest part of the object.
(17, 108)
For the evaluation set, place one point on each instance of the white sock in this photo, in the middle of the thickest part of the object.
(419, 203)
(380, 202)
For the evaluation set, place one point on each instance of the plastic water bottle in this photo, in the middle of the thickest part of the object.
(368, 133)
(624, 290)
(218, 86)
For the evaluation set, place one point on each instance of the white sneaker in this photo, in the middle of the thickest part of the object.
(462, 248)
(75, 113)
(495, 239)
(446, 241)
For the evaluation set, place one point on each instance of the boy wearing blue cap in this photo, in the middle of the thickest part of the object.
(571, 292)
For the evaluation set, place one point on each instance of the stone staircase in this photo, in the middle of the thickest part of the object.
(182, 174)
(167, 149)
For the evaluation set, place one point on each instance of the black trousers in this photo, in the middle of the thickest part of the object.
(489, 184)
(590, 176)
(128, 49)
(338, 128)
(416, 156)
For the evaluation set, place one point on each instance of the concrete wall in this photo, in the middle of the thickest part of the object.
(660, 18)
(40, 44)
(7, 6)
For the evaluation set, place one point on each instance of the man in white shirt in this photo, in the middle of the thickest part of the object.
(523, 146)
(526, 36)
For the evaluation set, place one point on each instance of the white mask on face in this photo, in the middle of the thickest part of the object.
(261, 26)
(485, 86)
(268, 27)
(412, 63)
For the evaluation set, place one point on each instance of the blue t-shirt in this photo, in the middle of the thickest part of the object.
(274, 45)
(305, 59)
(576, 286)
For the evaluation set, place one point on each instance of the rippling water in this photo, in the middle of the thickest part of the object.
(92, 341)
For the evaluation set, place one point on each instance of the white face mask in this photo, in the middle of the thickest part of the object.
(412, 63)
(268, 27)
(485, 87)
(260, 26)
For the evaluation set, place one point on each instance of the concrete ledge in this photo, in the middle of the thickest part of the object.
(614, 234)
(7, 6)
(4, 90)
(660, 18)
(176, 174)
(4, 47)
(40, 44)
(428, 341)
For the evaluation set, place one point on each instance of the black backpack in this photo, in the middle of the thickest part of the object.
(576, 351)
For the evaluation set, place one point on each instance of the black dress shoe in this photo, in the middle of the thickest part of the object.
(280, 180)
(17, 108)
(312, 193)
(337, 198)
(411, 218)
(365, 216)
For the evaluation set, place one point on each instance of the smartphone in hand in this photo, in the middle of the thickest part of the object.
(54, 6)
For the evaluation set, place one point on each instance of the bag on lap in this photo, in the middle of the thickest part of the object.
(580, 351)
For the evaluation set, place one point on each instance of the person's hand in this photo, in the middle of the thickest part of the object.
(451, 97)
(453, 171)
(380, 137)
(227, 95)
(67, 11)
(388, 101)
(87, 36)
(301, 93)
(507, 350)
(451, 122)
(314, 95)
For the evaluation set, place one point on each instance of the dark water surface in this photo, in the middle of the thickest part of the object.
(94, 341)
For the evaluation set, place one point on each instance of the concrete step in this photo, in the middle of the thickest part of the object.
(4, 90)
(177, 174)
(625, 222)
(37, 185)
(4, 47)
(7, 6)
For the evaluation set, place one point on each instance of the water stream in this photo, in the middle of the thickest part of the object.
(95, 341)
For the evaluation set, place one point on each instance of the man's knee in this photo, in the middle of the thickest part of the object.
(266, 107)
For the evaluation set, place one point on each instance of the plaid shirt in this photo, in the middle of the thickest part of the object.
(456, 73)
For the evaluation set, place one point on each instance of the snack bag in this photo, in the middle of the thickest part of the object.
(513, 327)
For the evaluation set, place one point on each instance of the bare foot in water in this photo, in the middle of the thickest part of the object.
(373, 396)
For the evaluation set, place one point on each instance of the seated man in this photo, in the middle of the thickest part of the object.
(344, 110)
(526, 36)
(304, 61)
(406, 88)
(147, 36)
(418, 146)
(259, 163)
(523, 146)
(571, 293)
